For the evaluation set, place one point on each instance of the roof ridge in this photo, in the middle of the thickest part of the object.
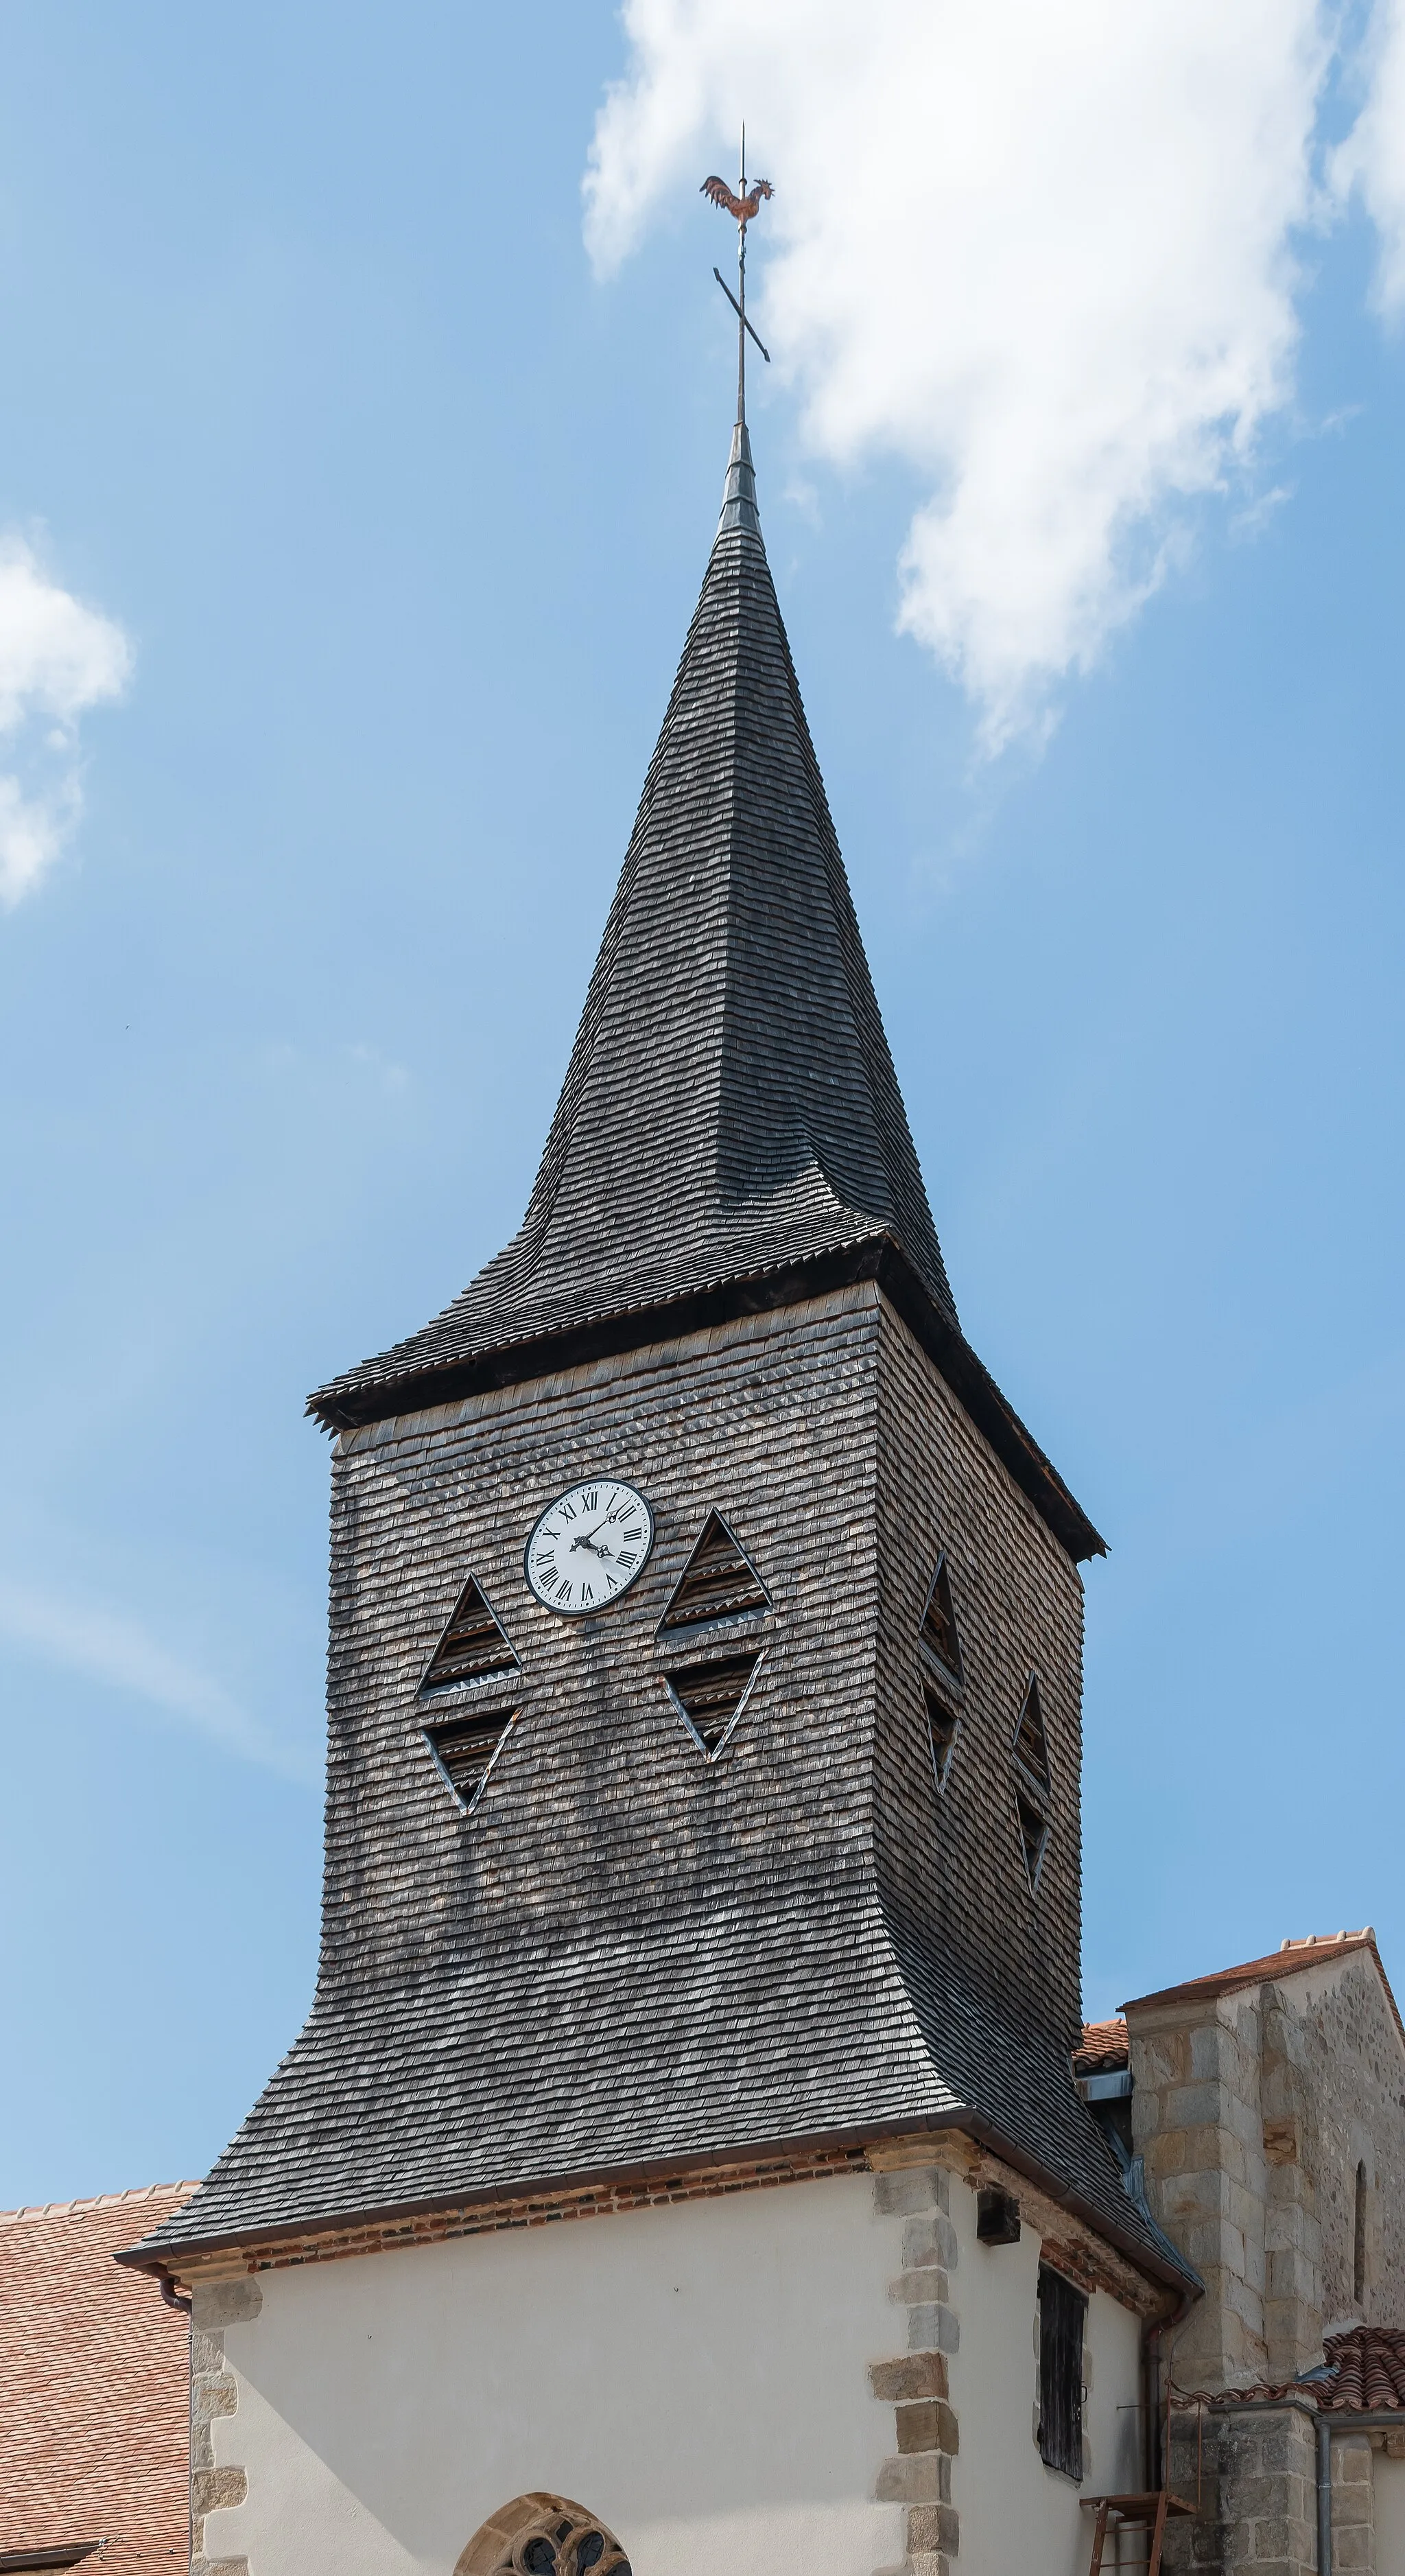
(1287, 1960)
(95, 2200)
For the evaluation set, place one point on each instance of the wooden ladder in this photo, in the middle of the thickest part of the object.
(1148, 2513)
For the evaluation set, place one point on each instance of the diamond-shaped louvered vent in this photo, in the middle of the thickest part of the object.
(1031, 1744)
(710, 1697)
(1034, 1833)
(467, 1748)
(944, 1729)
(938, 1630)
(718, 1582)
(473, 1648)
(1032, 1782)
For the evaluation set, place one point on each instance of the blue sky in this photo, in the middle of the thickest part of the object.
(401, 506)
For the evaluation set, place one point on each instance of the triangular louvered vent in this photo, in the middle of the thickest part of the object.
(710, 1697)
(1031, 1744)
(1034, 1833)
(467, 1748)
(473, 1648)
(943, 1727)
(938, 1630)
(719, 1581)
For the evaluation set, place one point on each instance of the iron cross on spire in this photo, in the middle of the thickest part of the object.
(743, 204)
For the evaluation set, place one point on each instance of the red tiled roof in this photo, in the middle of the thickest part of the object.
(1368, 2370)
(94, 2425)
(1103, 2050)
(1287, 1961)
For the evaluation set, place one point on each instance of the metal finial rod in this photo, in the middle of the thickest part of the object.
(741, 288)
(745, 204)
(744, 318)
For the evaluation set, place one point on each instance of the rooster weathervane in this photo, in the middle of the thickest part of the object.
(743, 202)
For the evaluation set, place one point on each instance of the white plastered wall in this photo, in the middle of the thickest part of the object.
(1388, 2481)
(1015, 2513)
(694, 2375)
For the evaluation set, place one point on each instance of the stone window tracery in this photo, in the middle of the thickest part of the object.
(543, 2535)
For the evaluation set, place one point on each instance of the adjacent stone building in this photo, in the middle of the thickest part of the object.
(1266, 2106)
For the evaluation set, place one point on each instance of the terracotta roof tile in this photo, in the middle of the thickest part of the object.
(1104, 2048)
(1368, 2370)
(1315, 1950)
(94, 2441)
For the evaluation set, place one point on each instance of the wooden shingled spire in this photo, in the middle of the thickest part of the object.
(731, 1005)
(767, 1151)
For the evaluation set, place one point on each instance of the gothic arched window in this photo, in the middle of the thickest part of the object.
(542, 2535)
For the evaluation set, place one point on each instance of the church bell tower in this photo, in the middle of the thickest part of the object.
(702, 1821)
(750, 1816)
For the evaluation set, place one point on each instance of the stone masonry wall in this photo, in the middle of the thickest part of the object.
(915, 2383)
(1253, 2109)
(1354, 2059)
(214, 2391)
(1254, 2473)
(1197, 2121)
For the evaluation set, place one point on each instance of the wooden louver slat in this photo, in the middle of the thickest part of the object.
(938, 1629)
(1034, 1833)
(474, 1646)
(467, 1748)
(710, 1697)
(1062, 2310)
(943, 1727)
(718, 1582)
(1031, 1742)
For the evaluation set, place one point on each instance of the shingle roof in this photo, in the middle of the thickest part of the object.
(883, 2039)
(730, 1104)
(94, 2434)
(730, 1115)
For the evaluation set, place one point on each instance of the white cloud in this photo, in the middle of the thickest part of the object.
(1373, 157)
(82, 1637)
(1043, 254)
(57, 659)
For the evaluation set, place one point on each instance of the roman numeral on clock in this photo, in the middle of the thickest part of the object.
(570, 1562)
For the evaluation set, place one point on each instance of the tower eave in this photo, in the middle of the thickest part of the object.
(350, 1404)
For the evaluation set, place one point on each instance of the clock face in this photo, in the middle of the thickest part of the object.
(589, 1546)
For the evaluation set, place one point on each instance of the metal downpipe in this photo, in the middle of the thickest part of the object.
(1324, 2495)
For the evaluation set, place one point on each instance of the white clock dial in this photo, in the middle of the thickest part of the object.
(589, 1546)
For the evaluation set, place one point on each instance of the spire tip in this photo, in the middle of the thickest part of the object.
(739, 508)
